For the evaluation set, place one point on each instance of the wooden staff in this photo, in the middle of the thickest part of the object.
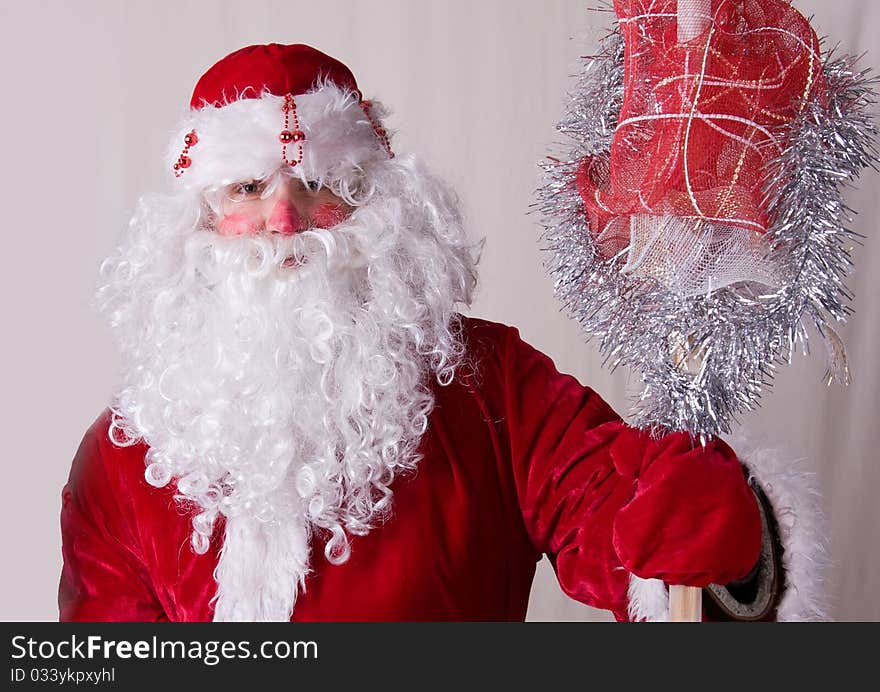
(686, 602)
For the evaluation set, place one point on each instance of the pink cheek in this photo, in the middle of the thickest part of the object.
(329, 214)
(238, 224)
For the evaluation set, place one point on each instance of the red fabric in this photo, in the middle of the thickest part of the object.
(519, 460)
(691, 520)
(279, 69)
(699, 119)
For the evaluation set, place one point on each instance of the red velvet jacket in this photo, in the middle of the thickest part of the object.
(518, 461)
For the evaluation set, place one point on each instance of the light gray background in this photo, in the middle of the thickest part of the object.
(91, 91)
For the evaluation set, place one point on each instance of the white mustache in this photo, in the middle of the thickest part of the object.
(210, 257)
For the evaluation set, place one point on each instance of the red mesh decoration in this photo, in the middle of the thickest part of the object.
(700, 117)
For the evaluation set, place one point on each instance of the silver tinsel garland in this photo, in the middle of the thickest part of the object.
(739, 334)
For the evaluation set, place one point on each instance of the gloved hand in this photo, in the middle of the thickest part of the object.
(693, 519)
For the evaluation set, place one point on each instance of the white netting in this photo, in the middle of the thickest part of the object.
(692, 257)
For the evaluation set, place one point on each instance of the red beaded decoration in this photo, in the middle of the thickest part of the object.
(377, 128)
(287, 136)
(190, 139)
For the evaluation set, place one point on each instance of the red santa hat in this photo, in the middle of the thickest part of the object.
(265, 106)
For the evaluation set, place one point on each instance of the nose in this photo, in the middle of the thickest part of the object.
(285, 218)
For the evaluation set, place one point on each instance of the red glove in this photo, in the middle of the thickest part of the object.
(693, 519)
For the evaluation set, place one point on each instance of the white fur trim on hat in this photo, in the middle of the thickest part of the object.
(239, 141)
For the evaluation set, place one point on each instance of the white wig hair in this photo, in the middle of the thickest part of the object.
(283, 383)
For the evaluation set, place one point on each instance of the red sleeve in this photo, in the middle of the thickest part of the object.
(103, 577)
(594, 492)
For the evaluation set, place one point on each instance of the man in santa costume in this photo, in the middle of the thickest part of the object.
(307, 429)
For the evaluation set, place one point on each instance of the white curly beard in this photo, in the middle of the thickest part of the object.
(282, 382)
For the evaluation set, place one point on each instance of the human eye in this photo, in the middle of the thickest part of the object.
(245, 190)
(313, 185)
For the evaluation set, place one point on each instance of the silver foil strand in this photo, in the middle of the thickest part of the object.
(740, 333)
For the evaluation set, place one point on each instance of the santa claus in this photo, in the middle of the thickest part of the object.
(306, 427)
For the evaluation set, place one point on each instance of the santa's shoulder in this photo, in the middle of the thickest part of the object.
(103, 467)
(481, 334)
(497, 341)
(493, 351)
